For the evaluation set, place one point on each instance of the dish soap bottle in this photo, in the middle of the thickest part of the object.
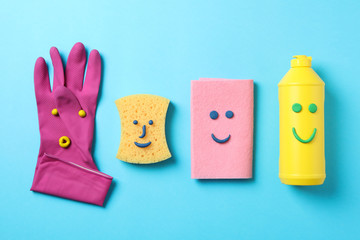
(301, 100)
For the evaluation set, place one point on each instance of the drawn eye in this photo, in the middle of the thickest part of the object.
(151, 122)
(296, 107)
(312, 108)
(229, 114)
(135, 122)
(214, 115)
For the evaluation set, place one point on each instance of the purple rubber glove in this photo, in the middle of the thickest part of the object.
(65, 167)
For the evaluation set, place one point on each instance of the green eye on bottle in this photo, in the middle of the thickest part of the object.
(312, 108)
(296, 107)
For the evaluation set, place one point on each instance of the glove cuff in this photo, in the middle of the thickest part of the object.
(66, 179)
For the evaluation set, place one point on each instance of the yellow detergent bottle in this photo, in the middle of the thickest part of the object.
(301, 99)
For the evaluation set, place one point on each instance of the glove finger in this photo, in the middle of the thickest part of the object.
(58, 68)
(93, 74)
(41, 78)
(75, 67)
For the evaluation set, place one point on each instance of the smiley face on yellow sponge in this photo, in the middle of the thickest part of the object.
(143, 139)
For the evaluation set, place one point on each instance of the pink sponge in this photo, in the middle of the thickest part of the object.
(221, 128)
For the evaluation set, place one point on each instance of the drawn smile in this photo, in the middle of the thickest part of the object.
(142, 145)
(220, 140)
(302, 140)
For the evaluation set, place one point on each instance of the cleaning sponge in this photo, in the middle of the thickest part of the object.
(221, 128)
(143, 139)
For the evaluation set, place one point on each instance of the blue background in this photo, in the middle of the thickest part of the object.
(157, 47)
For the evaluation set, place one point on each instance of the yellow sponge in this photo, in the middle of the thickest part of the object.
(143, 137)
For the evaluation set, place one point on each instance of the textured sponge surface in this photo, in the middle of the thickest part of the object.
(221, 128)
(143, 138)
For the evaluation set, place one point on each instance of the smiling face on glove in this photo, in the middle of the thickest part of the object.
(143, 137)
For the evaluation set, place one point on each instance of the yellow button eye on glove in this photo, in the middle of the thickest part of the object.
(55, 112)
(82, 113)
